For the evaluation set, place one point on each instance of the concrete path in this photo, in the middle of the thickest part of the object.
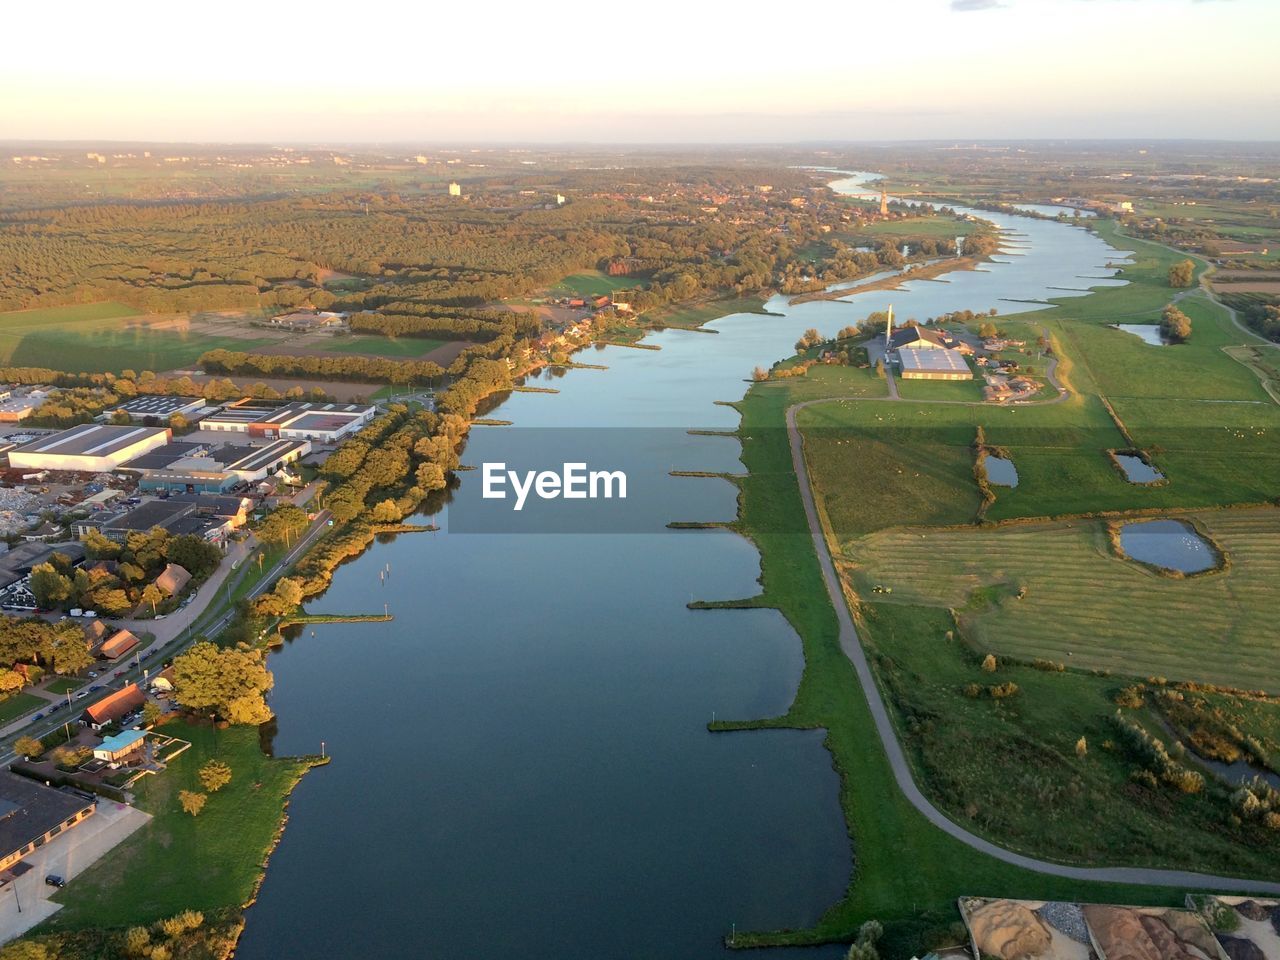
(852, 648)
(66, 855)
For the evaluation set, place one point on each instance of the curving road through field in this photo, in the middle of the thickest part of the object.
(852, 648)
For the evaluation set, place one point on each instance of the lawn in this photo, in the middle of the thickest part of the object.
(100, 337)
(965, 391)
(394, 347)
(65, 685)
(221, 851)
(16, 705)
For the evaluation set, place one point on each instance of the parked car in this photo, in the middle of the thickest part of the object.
(95, 688)
(38, 716)
(82, 694)
(93, 675)
(54, 880)
(120, 673)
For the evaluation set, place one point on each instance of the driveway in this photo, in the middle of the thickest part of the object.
(67, 855)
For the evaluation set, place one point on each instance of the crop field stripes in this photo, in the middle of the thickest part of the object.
(1056, 591)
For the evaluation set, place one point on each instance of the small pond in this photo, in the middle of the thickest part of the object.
(1171, 544)
(1137, 470)
(1001, 471)
(1146, 332)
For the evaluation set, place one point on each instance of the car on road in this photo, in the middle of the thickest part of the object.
(38, 716)
(54, 880)
(82, 694)
(95, 688)
(93, 675)
(120, 673)
(56, 707)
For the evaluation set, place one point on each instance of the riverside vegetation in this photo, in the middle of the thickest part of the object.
(1003, 711)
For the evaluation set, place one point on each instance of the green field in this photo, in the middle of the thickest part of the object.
(221, 851)
(100, 337)
(394, 347)
(1089, 608)
(887, 474)
(593, 283)
(933, 227)
(908, 874)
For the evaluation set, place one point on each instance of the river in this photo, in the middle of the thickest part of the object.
(521, 765)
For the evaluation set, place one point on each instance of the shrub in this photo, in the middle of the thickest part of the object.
(192, 802)
(989, 663)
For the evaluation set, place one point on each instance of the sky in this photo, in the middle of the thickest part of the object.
(650, 72)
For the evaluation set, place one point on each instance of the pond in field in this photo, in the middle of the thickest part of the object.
(1171, 544)
(1136, 469)
(1001, 471)
(1146, 332)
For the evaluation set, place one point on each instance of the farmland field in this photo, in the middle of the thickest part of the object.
(99, 337)
(593, 283)
(394, 347)
(1084, 606)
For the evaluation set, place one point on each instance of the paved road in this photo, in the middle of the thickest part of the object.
(852, 648)
(314, 532)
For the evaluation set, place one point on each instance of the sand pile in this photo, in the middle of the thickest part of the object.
(1124, 934)
(1008, 930)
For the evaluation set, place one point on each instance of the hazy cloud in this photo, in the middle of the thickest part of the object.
(964, 6)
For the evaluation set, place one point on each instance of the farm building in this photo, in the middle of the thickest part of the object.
(308, 320)
(326, 422)
(172, 579)
(916, 338)
(32, 814)
(118, 645)
(116, 748)
(88, 448)
(933, 365)
(112, 708)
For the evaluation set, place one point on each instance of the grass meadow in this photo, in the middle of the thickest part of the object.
(98, 338)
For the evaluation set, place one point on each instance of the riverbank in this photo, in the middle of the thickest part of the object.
(960, 746)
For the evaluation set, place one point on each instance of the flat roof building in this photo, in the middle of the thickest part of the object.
(933, 364)
(155, 408)
(326, 422)
(115, 748)
(32, 814)
(154, 513)
(195, 468)
(88, 448)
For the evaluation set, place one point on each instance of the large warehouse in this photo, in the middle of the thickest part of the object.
(89, 448)
(196, 468)
(932, 364)
(326, 422)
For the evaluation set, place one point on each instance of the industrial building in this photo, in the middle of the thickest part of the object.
(88, 448)
(154, 408)
(186, 467)
(325, 422)
(933, 364)
(32, 814)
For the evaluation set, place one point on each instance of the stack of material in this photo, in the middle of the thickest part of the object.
(1008, 930)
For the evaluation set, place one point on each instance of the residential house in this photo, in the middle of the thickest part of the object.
(112, 708)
